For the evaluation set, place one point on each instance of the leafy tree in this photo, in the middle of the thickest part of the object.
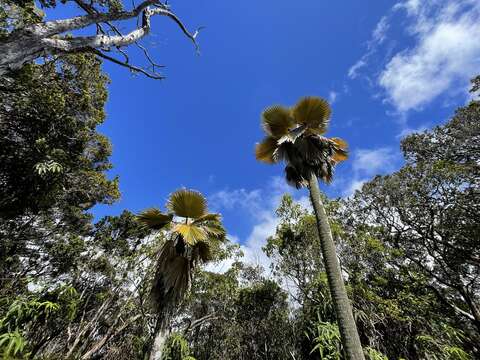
(238, 314)
(191, 241)
(429, 211)
(52, 167)
(295, 136)
(176, 348)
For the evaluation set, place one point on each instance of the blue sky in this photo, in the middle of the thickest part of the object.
(388, 67)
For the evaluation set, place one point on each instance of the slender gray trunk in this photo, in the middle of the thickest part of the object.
(346, 322)
(161, 335)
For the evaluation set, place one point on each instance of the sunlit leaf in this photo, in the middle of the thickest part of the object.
(292, 135)
(277, 120)
(208, 217)
(190, 233)
(216, 231)
(187, 203)
(313, 112)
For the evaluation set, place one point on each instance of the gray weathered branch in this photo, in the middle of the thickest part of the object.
(46, 38)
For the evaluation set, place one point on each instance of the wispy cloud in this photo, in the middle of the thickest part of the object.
(378, 36)
(379, 33)
(369, 162)
(332, 96)
(260, 204)
(445, 55)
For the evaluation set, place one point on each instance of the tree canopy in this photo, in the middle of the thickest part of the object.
(73, 286)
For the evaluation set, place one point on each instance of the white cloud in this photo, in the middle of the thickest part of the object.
(379, 35)
(332, 96)
(408, 130)
(354, 185)
(260, 204)
(369, 162)
(411, 6)
(380, 32)
(353, 71)
(446, 54)
(239, 197)
(221, 267)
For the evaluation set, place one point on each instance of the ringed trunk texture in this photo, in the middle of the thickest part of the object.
(346, 322)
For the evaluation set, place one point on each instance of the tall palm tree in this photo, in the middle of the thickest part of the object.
(295, 136)
(193, 233)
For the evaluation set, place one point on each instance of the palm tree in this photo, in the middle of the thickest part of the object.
(295, 136)
(193, 234)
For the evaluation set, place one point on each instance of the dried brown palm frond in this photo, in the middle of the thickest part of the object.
(314, 112)
(264, 150)
(172, 278)
(277, 121)
(301, 145)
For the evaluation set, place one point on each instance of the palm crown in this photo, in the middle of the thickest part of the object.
(193, 233)
(295, 135)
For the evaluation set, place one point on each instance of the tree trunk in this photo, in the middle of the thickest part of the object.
(161, 334)
(346, 323)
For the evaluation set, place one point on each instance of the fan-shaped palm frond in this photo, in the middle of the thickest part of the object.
(277, 121)
(215, 230)
(191, 240)
(154, 218)
(187, 203)
(340, 152)
(314, 112)
(304, 150)
(191, 233)
(208, 217)
(264, 150)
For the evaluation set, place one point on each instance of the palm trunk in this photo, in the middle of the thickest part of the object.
(161, 334)
(346, 323)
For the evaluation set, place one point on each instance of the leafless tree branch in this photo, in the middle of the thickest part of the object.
(46, 38)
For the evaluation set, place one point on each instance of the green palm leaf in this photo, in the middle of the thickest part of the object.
(313, 112)
(277, 120)
(264, 151)
(208, 217)
(215, 230)
(187, 203)
(154, 218)
(191, 233)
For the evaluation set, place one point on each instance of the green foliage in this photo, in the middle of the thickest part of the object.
(11, 344)
(176, 348)
(373, 354)
(70, 288)
(327, 341)
(51, 154)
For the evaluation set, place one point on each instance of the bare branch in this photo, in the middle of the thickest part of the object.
(45, 38)
(56, 27)
(127, 65)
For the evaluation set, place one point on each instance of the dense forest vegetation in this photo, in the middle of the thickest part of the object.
(407, 243)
